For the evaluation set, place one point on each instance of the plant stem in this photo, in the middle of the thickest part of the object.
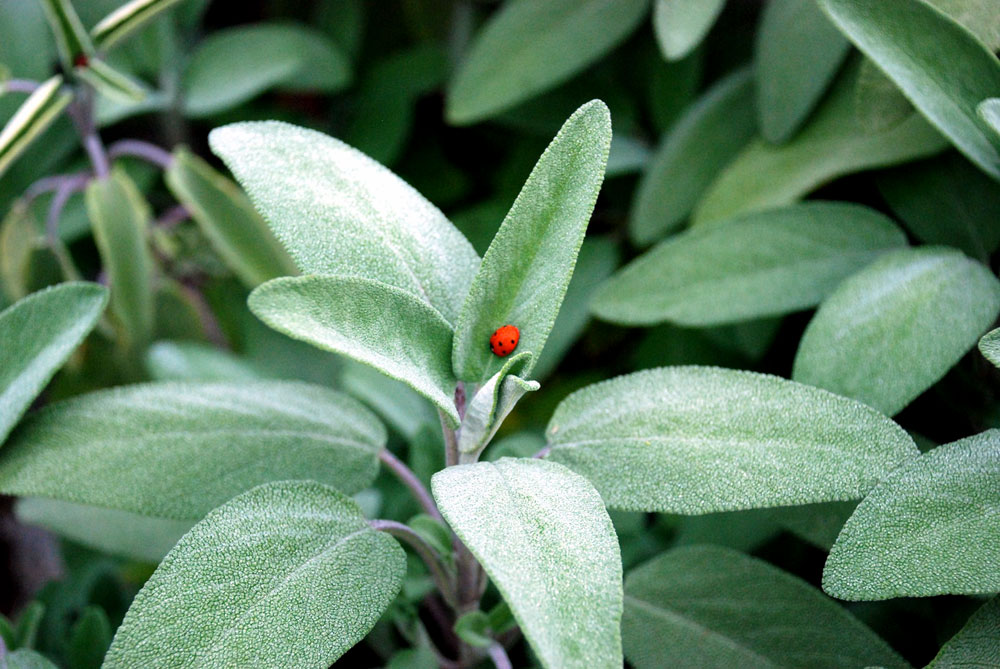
(81, 112)
(499, 656)
(450, 443)
(147, 151)
(64, 191)
(410, 480)
(443, 576)
(171, 217)
(542, 453)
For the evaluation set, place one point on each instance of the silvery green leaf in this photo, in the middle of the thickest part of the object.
(989, 111)
(701, 439)
(23, 658)
(976, 644)
(126, 20)
(989, 346)
(493, 402)
(31, 119)
(194, 361)
(681, 25)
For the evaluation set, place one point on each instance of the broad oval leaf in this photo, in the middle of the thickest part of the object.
(39, 333)
(929, 528)
(528, 266)
(287, 575)
(337, 211)
(938, 65)
(976, 644)
(177, 450)
(989, 346)
(797, 53)
(371, 322)
(756, 265)
(831, 145)
(545, 539)
(703, 141)
(892, 330)
(681, 25)
(705, 606)
(226, 217)
(695, 440)
(529, 46)
(22, 658)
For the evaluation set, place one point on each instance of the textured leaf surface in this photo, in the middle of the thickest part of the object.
(831, 145)
(681, 25)
(893, 329)
(714, 607)
(529, 46)
(932, 527)
(797, 54)
(940, 66)
(989, 346)
(545, 539)
(756, 265)
(492, 403)
(703, 141)
(177, 450)
(381, 326)
(337, 211)
(700, 439)
(288, 574)
(28, 659)
(526, 270)
(976, 644)
(226, 217)
(39, 333)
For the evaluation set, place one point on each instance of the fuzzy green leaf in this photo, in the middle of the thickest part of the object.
(39, 333)
(526, 270)
(941, 67)
(929, 528)
(28, 659)
(989, 112)
(287, 575)
(177, 450)
(371, 322)
(797, 53)
(892, 330)
(529, 46)
(339, 212)
(756, 265)
(703, 141)
(695, 440)
(545, 539)
(681, 25)
(127, 20)
(989, 346)
(491, 404)
(36, 114)
(193, 361)
(976, 644)
(713, 607)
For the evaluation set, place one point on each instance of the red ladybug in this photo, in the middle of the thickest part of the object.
(504, 340)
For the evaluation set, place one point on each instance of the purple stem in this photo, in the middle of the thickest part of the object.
(51, 183)
(19, 86)
(171, 217)
(64, 190)
(542, 453)
(442, 575)
(499, 656)
(137, 148)
(410, 480)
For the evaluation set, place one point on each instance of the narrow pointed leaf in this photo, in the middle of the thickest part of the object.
(704, 140)
(491, 404)
(545, 539)
(976, 644)
(31, 119)
(381, 326)
(111, 82)
(942, 68)
(226, 217)
(119, 216)
(681, 25)
(126, 20)
(362, 219)
(529, 46)
(177, 450)
(752, 266)
(526, 270)
(930, 528)
(892, 330)
(989, 346)
(39, 333)
(704, 606)
(287, 575)
(797, 53)
(701, 439)
(72, 39)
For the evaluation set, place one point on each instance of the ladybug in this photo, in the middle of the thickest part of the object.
(81, 60)
(504, 340)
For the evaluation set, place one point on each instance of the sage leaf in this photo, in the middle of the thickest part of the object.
(362, 219)
(752, 266)
(942, 68)
(28, 659)
(72, 39)
(193, 361)
(119, 216)
(491, 404)
(796, 55)
(527, 268)
(681, 25)
(287, 575)
(545, 539)
(704, 606)
(976, 644)
(989, 112)
(226, 217)
(989, 346)
(111, 82)
(830, 145)
(695, 440)
(89, 639)
(530, 46)
(371, 322)
(177, 450)
(929, 528)
(127, 20)
(704, 140)
(39, 333)
(34, 115)
(892, 330)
